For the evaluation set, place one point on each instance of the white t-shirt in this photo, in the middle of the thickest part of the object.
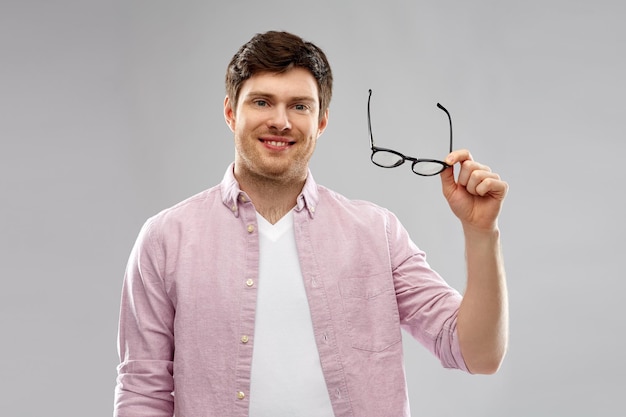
(287, 377)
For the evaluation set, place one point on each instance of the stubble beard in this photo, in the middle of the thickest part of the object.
(263, 169)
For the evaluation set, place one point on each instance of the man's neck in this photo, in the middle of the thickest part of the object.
(272, 199)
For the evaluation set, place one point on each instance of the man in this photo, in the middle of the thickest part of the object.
(269, 295)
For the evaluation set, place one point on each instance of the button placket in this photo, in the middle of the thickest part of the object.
(248, 268)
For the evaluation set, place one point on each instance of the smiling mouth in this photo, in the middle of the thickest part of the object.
(277, 143)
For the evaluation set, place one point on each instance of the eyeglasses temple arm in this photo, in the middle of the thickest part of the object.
(449, 120)
(369, 120)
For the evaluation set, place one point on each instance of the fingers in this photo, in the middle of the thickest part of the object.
(459, 156)
(472, 173)
(477, 178)
(447, 181)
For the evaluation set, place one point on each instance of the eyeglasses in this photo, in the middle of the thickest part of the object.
(388, 158)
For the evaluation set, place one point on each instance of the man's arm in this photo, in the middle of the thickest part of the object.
(145, 341)
(476, 197)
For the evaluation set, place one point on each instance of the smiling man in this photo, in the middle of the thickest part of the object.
(271, 295)
(276, 120)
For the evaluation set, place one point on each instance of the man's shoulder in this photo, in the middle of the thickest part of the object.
(190, 207)
(339, 201)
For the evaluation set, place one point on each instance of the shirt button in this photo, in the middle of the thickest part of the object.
(250, 282)
(250, 228)
(244, 339)
(241, 395)
(243, 198)
(234, 208)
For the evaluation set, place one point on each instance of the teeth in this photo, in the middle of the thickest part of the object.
(275, 143)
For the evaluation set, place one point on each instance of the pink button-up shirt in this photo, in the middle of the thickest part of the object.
(187, 314)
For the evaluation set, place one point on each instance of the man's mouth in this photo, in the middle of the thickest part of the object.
(277, 143)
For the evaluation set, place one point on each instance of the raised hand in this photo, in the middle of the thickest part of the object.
(476, 195)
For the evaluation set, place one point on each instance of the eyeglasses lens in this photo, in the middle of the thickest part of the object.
(427, 168)
(387, 159)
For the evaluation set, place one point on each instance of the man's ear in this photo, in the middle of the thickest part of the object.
(322, 124)
(229, 113)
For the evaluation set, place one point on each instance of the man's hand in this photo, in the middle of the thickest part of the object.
(476, 196)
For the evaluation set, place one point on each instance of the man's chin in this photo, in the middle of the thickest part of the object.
(283, 172)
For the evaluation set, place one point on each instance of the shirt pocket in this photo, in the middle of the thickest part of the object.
(371, 311)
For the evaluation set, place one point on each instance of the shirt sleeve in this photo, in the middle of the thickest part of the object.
(145, 381)
(427, 305)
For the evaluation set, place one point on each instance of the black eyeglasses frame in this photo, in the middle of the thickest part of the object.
(375, 149)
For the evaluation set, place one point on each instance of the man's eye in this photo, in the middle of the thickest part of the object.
(260, 103)
(300, 107)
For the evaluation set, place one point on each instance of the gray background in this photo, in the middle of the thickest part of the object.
(112, 110)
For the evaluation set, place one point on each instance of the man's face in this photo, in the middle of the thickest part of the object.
(276, 125)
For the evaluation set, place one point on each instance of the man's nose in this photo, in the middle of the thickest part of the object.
(279, 119)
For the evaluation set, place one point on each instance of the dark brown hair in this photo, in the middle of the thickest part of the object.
(279, 52)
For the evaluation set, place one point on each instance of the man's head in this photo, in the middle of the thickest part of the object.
(278, 52)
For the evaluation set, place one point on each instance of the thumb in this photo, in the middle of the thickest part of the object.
(448, 184)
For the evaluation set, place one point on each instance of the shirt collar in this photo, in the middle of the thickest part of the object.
(233, 196)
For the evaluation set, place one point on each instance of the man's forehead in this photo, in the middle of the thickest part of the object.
(297, 83)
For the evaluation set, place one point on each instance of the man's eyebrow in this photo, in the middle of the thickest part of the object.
(308, 99)
(260, 94)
